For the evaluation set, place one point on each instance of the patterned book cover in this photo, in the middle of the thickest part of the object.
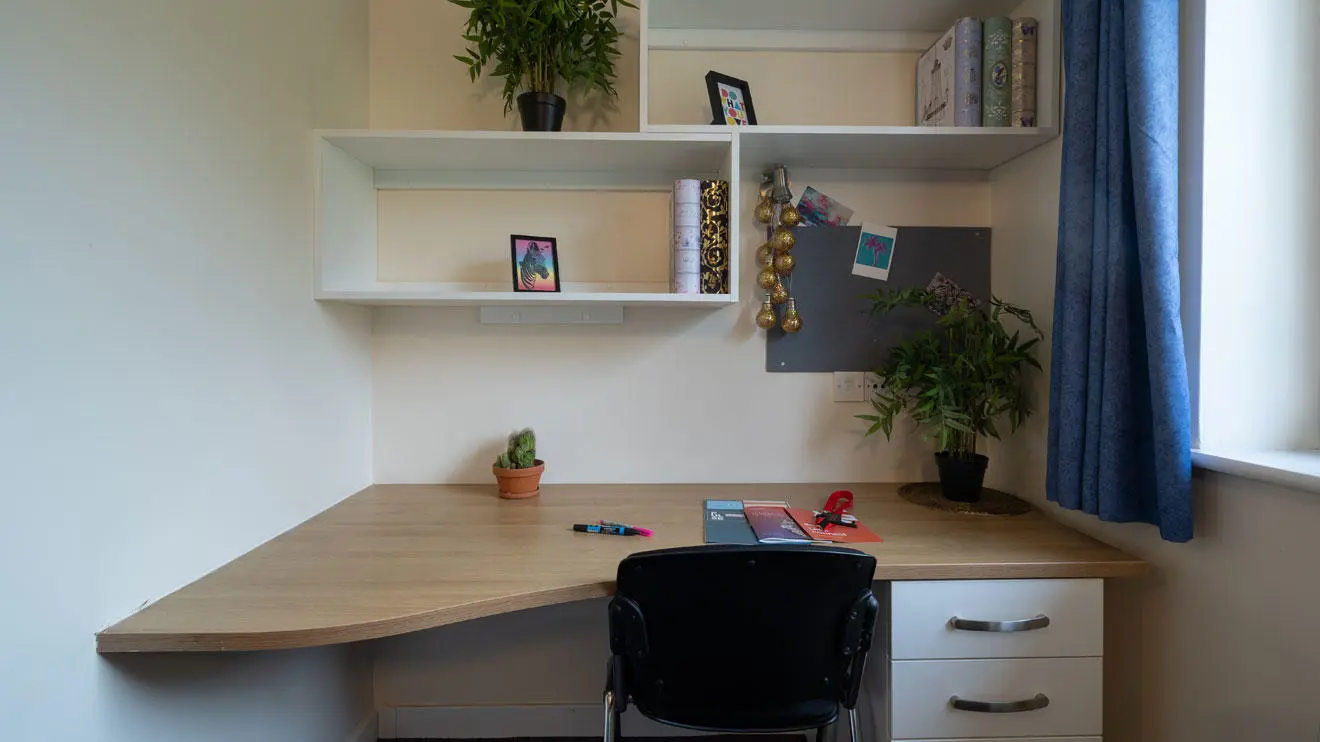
(685, 272)
(714, 236)
(1022, 107)
(949, 78)
(996, 58)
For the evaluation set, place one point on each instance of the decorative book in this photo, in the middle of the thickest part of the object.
(996, 61)
(1023, 106)
(714, 237)
(949, 78)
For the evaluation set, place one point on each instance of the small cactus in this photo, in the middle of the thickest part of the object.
(521, 453)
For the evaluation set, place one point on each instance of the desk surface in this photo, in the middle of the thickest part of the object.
(394, 559)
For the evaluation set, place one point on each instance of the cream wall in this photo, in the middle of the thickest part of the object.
(417, 84)
(1217, 643)
(170, 396)
(667, 396)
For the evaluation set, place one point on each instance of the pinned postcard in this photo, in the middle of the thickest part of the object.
(875, 251)
(819, 210)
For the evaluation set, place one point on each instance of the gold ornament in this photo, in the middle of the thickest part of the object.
(767, 279)
(765, 319)
(765, 255)
(783, 239)
(792, 320)
(765, 211)
(784, 263)
(789, 216)
(779, 294)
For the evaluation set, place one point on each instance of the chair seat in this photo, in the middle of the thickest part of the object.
(713, 717)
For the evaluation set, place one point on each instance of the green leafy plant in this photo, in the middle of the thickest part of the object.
(521, 452)
(534, 44)
(958, 379)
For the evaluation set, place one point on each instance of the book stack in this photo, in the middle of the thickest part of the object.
(775, 522)
(980, 73)
(686, 220)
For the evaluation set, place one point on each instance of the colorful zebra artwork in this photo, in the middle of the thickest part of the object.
(535, 263)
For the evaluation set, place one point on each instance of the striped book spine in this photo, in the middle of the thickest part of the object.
(996, 58)
(714, 236)
(686, 270)
(967, 71)
(1022, 111)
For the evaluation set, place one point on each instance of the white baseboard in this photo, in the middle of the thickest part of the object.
(366, 730)
(499, 722)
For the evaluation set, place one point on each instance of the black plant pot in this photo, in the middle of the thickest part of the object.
(961, 477)
(541, 111)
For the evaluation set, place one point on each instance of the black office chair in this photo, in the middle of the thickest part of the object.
(741, 639)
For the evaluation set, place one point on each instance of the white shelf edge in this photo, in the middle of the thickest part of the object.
(494, 298)
(701, 39)
(679, 136)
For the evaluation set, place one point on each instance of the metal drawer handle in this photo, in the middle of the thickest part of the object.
(1000, 627)
(1001, 707)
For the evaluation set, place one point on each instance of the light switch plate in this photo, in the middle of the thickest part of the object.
(848, 386)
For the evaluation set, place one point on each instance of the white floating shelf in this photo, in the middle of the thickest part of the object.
(575, 295)
(523, 152)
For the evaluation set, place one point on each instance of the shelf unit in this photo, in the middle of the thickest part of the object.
(355, 165)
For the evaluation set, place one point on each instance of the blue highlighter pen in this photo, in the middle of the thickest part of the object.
(606, 530)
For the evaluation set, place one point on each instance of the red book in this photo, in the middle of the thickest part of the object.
(772, 524)
(806, 520)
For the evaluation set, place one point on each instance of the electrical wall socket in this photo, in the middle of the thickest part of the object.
(848, 386)
(870, 385)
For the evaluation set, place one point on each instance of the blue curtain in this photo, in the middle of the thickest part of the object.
(1120, 420)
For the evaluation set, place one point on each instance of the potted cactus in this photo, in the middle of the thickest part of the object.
(517, 470)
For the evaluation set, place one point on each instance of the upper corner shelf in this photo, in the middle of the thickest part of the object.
(836, 15)
(880, 147)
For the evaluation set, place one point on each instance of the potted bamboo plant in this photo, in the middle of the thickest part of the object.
(537, 45)
(517, 470)
(956, 381)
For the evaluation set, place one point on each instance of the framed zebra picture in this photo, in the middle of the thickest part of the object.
(535, 263)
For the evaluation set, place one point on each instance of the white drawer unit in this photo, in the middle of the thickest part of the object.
(975, 619)
(974, 699)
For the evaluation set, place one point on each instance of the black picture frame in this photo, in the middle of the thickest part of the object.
(713, 80)
(516, 264)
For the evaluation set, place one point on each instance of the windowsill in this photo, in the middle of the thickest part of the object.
(1296, 469)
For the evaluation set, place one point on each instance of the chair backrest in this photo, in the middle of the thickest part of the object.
(744, 638)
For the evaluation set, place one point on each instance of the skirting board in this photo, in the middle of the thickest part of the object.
(366, 730)
(504, 722)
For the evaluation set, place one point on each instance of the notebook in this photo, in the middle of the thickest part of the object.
(772, 524)
(726, 523)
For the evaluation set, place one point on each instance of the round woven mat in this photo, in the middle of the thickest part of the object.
(992, 502)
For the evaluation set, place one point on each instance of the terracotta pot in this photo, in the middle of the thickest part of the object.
(519, 484)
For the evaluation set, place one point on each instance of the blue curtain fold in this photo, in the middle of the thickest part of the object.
(1120, 416)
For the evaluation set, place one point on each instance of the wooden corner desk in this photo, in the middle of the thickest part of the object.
(395, 559)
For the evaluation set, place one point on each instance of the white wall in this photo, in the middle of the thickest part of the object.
(170, 396)
(1217, 643)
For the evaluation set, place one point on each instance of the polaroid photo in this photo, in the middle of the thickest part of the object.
(875, 252)
(819, 210)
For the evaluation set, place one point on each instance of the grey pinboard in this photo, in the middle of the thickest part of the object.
(839, 332)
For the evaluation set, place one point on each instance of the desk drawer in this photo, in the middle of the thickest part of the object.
(922, 695)
(923, 614)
